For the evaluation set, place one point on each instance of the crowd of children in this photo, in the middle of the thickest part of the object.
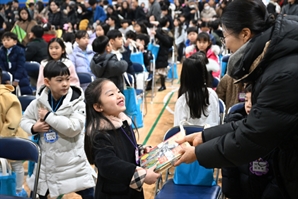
(64, 38)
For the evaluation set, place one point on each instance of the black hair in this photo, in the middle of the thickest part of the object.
(56, 2)
(93, 117)
(105, 27)
(30, 4)
(26, 9)
(194, 21)
(205, 24)
(214, 24)
(196, 95)
(68, 37)
(80, 34)
(192, 29)
(248, 88)
(61, 43)
(125, 21)
(113, 34)
(114, 18)
(250, 14)
(100, 43)
(10, 35)
(143, 26)
(40, 6)
(37, 31)
(203, 36)
(143, 37)
(55, 68)
(131, 35)
(163, 21)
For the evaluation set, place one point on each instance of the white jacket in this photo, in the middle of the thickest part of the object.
(64, 166)
(182, 111)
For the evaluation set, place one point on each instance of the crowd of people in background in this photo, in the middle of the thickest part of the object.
(41, 42)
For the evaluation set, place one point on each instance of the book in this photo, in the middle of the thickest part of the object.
(165, 154)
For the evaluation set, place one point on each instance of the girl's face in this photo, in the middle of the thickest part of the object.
(247, 102)
(202, 45)
(112, 100)
(192, 36)
(99, 31)
(53, 7)
(24, 15)
(124, 5)
(109, 10)
(137, 28)
(55, 50)
(176, 23)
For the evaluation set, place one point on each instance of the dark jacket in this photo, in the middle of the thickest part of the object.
(57, 19)
(272, 125)
(165, 43)
(115, 161)
(242, 183)
(18, 71)
(139, 14)
(108, 66)
(290, 9)
(37, 50)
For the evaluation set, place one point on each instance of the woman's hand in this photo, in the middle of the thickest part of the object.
(151, 176)
(194, 139)
(188, 155)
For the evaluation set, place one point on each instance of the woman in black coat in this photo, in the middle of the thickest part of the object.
(265, 54)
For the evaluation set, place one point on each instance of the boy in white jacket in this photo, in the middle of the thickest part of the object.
(57, 116)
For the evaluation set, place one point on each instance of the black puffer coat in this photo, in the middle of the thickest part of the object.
(272, 124)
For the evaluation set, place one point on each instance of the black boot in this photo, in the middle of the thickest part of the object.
(149, 85)
(162, 82)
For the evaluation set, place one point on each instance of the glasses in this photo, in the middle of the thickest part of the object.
(222, 39)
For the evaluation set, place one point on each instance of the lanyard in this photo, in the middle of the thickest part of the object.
(134, 144)
(58, 103)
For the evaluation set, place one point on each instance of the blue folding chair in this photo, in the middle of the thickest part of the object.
(21, 149)
(25, 100)
(222, 110)
(175, 191)
(6, 76)
(236, 107)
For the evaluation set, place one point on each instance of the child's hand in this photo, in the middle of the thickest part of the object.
(42, 113)
(151, 176)
(41, 126)
(147, 149)
(15, 83)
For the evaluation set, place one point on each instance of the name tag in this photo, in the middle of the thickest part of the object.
(259, 167)
(51, 136)
(241, 97)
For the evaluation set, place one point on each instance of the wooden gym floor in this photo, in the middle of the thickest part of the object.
(156, 122)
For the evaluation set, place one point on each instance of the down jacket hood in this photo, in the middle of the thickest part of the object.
(102, 62)
(280, 40)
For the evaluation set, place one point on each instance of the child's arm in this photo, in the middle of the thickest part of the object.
(68, 125)
(117, 170)
(12, 116)
(30, 117)
(20, 70)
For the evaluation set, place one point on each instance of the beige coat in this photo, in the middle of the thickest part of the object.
(26, 26)
(11, 113)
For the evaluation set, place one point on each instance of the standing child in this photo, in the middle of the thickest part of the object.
(11, 114)
(57, 116)
(82, 54)
(115, 150)
(165, 41)
(105, 64)
(179, 34)
(12, 59)
(197, 103)
(204, 44)
(56, 51)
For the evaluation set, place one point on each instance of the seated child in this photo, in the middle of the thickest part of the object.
(11, 114)
(12, 59)
(105, 64)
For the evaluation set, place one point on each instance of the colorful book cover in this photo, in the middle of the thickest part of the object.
(165, 154)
